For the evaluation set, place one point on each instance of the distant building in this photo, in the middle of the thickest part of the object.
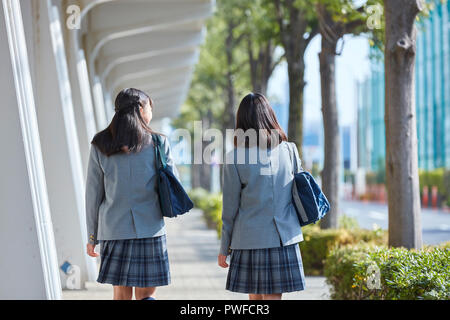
(371, 138)
(432, 99)
(282, 113)
(313, 143)
(346, 147)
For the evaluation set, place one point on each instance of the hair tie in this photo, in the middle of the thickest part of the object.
(134, 104)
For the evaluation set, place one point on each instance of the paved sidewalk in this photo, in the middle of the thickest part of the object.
(195, 274)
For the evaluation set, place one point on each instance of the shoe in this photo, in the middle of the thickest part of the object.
(149, 298)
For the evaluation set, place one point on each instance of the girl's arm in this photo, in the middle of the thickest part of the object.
(231, 202)
(169, 159)
(95, 193)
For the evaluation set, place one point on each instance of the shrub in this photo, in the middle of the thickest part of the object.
(212, 211)
(436, 178)
(403, 274)
(315, 172)
(446, 184)
(197, 194)
(371, 178)
(347, 222)
(439, 178)
(433, 178)
(211, 205)
(318, 243)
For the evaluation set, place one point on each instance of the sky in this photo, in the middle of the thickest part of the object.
(353, 64)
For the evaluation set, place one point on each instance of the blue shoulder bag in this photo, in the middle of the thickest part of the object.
(310, 202)
(172, 197)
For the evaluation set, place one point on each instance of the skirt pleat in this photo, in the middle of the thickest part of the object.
(134, 262)
(266, 271)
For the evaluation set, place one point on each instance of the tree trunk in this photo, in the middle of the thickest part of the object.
(296, 70)
(262, 67)
(331, 31)
(295, 40)
(201, 172)
(229, 116)
(201, 176)
(267, 66)
(330, 173)
(400, 120)
(195, 180)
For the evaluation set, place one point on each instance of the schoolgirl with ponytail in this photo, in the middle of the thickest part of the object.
(123, 213)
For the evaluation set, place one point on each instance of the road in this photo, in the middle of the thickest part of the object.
(435, 223)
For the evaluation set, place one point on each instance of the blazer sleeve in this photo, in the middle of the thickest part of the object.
(230, 205)
(95, 193)
(296, 157)
(169, 159)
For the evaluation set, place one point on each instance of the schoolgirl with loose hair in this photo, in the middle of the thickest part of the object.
(260, 228)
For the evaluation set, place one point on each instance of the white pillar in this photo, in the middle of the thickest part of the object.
(28, 266)
(81, 95)
(60, 145)
(109, 107)
(99, 103)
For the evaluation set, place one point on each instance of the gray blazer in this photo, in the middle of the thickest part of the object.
(258, 211)
(121, 195)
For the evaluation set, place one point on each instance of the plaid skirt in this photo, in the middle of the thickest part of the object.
(266, 271)
(134, 262)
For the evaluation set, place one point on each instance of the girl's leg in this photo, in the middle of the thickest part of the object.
(253, 296)
(274, 296)
(123, 293)
(141, 293)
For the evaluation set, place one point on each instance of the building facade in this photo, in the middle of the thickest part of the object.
(432, 90)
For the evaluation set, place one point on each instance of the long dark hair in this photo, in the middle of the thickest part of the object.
(255, 112)
(127, 127)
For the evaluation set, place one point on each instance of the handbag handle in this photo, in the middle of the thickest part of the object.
(159, 156)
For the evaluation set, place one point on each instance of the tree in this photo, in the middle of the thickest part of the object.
(297, 25)
(336, 19)
(229, 13)
(204, 101)
(261, 39)
(220, 75)
(400, 121)
(199, 105)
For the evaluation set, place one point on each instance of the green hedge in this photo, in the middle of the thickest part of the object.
(197, 194)
(432, 178)
(403, 274)
(439, 178)
(319, 242)
(446, 184)
(211, 205)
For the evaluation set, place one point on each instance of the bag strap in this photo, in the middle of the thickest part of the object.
(160, 156)
(296, 164)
